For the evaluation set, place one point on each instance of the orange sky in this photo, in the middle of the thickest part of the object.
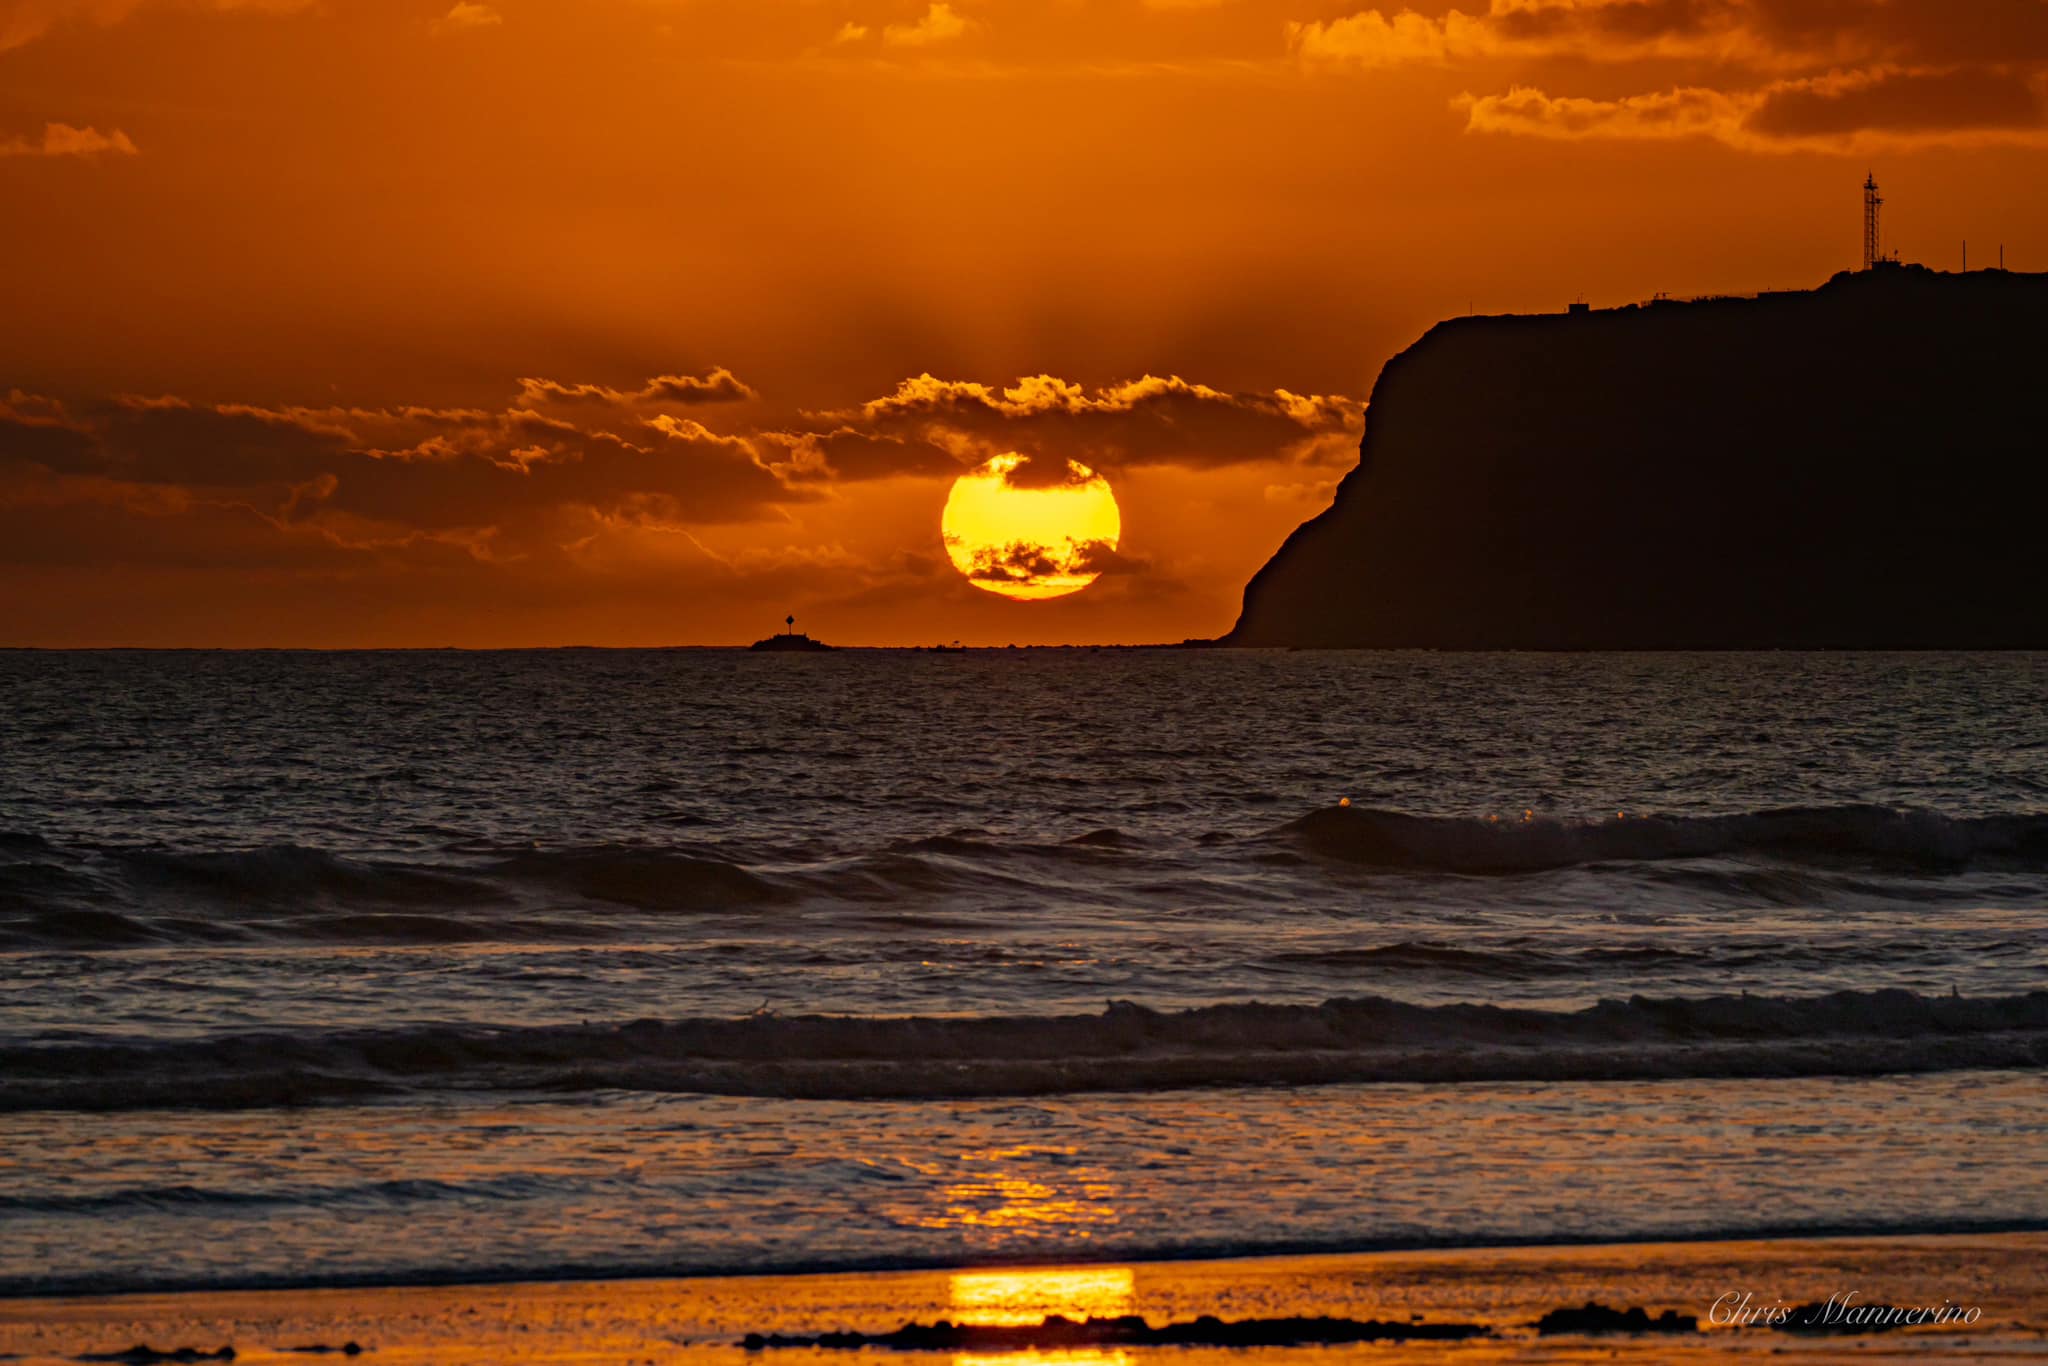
(365, 322)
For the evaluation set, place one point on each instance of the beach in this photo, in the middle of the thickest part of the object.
(1504, 1291)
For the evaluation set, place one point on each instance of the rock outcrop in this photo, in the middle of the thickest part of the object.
(1858, 466)
(791, 643)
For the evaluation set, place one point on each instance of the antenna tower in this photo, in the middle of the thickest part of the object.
(1872, 202)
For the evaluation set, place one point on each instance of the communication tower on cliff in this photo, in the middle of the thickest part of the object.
(1872, 202)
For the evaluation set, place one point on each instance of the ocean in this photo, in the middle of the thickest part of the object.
(363, 968)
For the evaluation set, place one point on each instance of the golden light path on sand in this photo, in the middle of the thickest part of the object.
(1012, 1297)
(699, 1322)
(1030, 537)
(1009, 1298)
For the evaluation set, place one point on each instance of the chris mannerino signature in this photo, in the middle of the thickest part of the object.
(1844, 1309)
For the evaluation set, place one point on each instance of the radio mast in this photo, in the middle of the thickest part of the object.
(1872, 202)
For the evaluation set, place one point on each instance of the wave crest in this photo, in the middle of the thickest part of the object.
(1126, 1047)
(120, 898)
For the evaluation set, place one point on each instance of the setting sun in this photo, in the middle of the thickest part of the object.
(1022, 535)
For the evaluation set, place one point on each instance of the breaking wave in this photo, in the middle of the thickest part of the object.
(1126, 1047)
(113, 898)
(121, 898)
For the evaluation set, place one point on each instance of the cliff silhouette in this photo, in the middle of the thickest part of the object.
(1864, 465)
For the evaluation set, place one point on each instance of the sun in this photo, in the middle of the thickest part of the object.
(1015, 532)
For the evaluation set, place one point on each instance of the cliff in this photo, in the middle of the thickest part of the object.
(1863, 465)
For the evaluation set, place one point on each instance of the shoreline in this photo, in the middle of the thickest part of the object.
(1503, 1289)
(1190, 1254)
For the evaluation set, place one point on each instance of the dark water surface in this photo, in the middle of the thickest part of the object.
(371, 966)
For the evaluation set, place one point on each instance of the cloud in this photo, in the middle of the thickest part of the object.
(1047, 472)
(62, 140)
(1146, 421)
(1017, 562)
(719, 386)
(1690, 112)
(467, 15)
(500, 485)
(1591, 30)
(1843, 112)
(850, 32)
(851, 454)
(1943, 105)
(507, 483)
(938, 25)
(1370, 39)
(24, 21)
(1100, 557)
(1761, 75)
(51, 521)
(38, 432)
(171, 441)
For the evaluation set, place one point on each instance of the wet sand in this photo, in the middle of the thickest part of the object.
(2003, 1276)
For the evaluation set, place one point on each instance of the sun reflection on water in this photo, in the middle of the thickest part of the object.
(1027, 1191)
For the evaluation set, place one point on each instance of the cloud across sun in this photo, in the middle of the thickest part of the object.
(1031, 529)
